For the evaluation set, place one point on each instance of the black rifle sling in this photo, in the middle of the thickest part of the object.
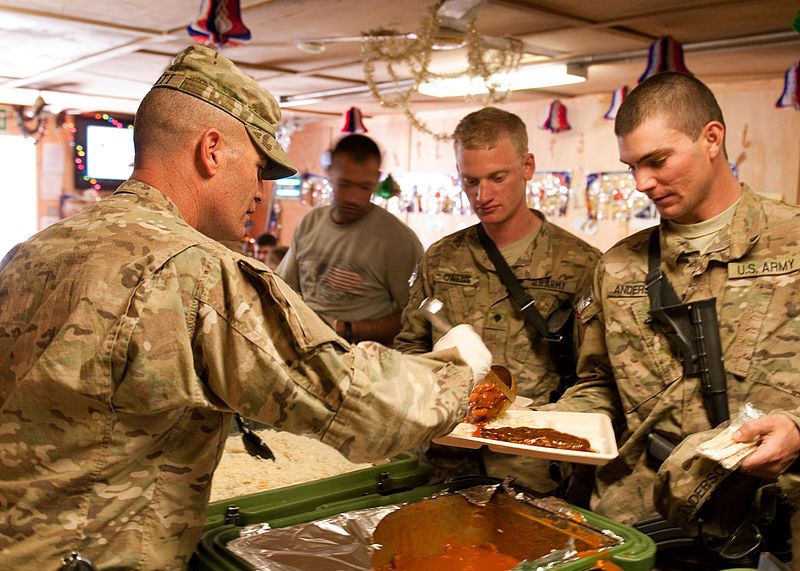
(659, 290)
(773, 523)
(662, 294)
(524, 302)
(557, 330)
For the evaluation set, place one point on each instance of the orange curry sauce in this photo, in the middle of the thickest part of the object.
(484, 557)
(547, 437)
(485, 403)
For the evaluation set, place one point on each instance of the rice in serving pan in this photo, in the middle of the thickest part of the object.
(298, 459)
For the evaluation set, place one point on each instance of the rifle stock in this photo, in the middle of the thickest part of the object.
(693, 333)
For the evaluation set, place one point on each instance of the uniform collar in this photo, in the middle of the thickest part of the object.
(146, 193)
(733, 242)
(534, 261)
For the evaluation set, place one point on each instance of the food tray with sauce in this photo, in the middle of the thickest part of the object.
(312, 501)
(595, 427)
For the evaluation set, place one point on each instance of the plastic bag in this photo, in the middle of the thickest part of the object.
(723, 448)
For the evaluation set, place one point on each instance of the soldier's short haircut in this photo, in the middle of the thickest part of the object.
(686, 104)
(168, 119)
(360, 148)
(484, 128)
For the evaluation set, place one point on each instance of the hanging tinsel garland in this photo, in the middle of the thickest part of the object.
(415, 56)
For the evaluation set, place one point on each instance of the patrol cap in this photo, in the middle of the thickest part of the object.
(690, 488)
(208, 75)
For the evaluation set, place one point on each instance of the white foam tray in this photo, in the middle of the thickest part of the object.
(595, 427)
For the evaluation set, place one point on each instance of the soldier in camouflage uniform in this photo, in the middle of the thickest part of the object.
(552, 265)
(128, 336)
(718, 239)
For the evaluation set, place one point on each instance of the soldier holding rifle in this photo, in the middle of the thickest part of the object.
(715, 324)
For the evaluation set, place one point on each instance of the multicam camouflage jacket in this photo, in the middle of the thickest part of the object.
(126, 340)
(556, 267)
(627, 370)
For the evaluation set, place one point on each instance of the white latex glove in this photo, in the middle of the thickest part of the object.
(471, 347)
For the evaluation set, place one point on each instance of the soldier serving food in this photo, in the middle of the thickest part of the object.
(129, 335)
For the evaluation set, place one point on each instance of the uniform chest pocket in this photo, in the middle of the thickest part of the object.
(749, 315)
(643, 362)
(458, 291)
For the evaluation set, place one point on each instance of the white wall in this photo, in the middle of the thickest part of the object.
(18, 187)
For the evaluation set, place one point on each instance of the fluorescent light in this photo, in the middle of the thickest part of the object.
(59, 100)
(300, 102)
(530, 77)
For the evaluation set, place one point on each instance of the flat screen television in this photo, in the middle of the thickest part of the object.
(102, 149)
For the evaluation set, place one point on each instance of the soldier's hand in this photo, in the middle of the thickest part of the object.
(471, 347)
(779, 448)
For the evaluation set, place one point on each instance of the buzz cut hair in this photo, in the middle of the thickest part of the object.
(358, 147)
(484, 128)
(686, 104)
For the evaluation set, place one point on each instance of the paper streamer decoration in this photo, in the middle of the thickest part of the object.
(220, 23)
(353, 121)
(616, 100)
(791, 88)
(555, 120)
(666, 54)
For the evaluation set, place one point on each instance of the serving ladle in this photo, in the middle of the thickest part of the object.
(498, 375)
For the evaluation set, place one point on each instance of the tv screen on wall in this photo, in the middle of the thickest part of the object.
(102, 151)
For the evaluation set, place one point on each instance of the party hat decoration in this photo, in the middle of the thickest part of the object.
(353, 121)
(220, 23)
(616, 100)
(791, 88)
(666, 54)
(555, 119)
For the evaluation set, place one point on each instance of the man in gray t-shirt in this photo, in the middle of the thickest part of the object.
(351, 261)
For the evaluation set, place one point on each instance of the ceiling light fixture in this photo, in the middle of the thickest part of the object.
(530, 77)
(313, 48)
(298, 102)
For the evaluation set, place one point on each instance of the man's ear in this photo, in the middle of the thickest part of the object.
(714, 138)
(209, 152)
(528, 166)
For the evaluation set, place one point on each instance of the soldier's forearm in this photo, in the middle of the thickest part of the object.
(383, 330)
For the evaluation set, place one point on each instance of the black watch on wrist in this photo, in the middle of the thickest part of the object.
(348, 331)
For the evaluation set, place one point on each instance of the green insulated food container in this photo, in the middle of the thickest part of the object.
(400, 481)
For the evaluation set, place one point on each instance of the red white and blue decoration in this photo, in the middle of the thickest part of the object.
(555, 120)
(666, 54)
(220, 24)
(353, 121)
(617, 98)
(791, 88)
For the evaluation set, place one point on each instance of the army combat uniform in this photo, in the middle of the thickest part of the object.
(555, 268)
(752, 268)
(127, 338)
